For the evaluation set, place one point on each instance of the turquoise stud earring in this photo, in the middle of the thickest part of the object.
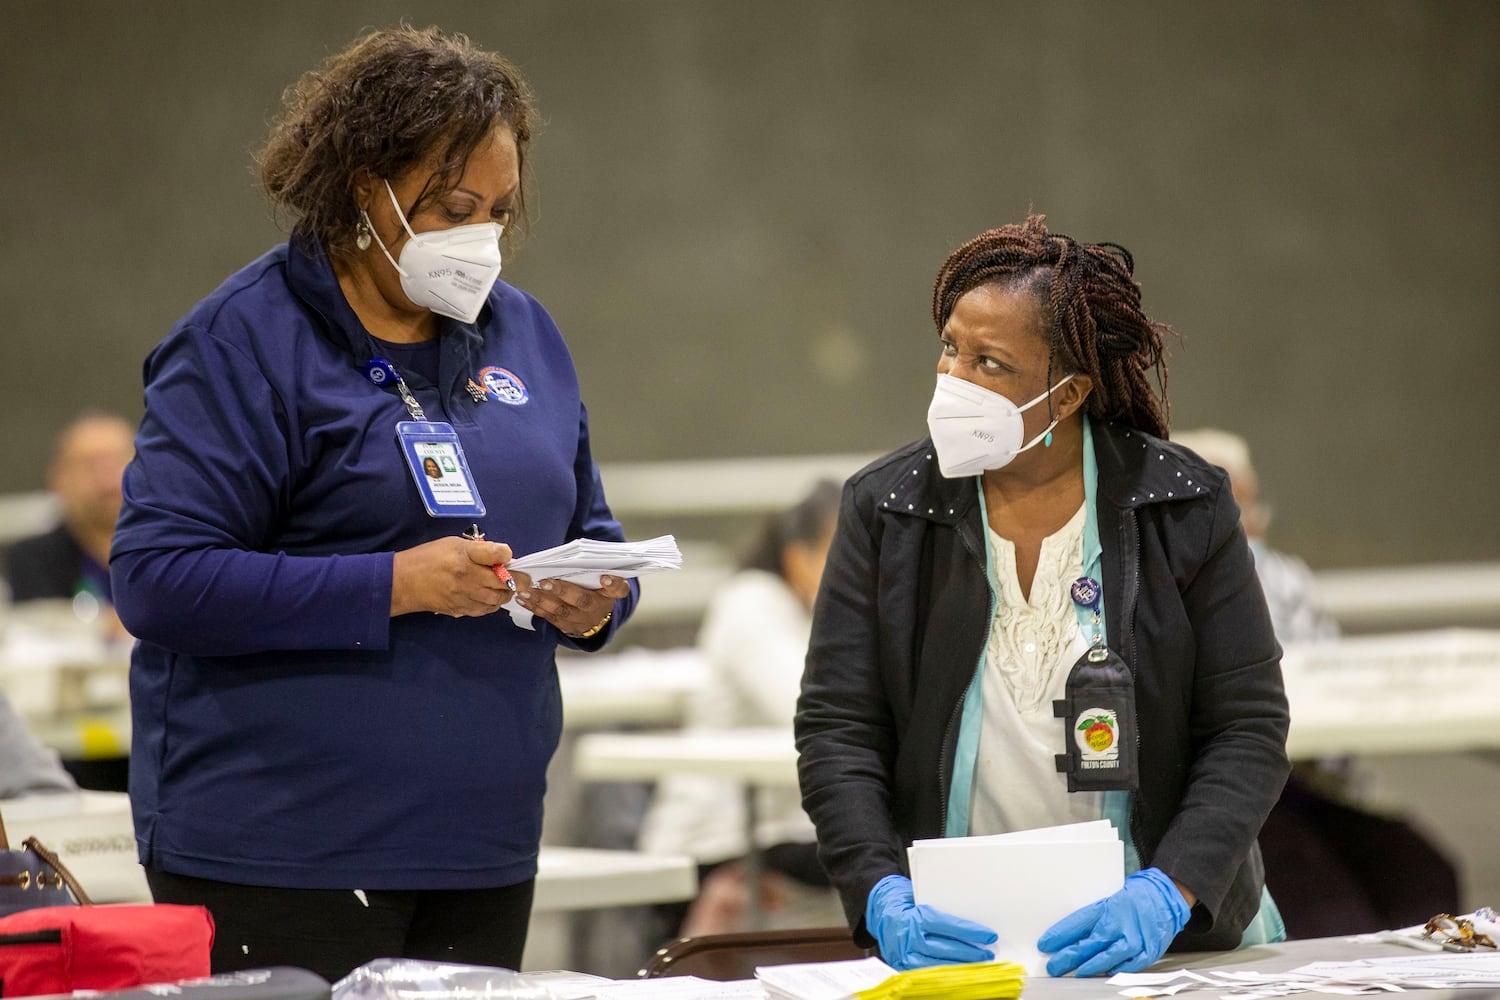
(1047, 441)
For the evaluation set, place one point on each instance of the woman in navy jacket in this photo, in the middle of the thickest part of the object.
(339, 746)
(949, 624)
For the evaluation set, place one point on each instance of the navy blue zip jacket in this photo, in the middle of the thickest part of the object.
(900, 626)
(287, 730)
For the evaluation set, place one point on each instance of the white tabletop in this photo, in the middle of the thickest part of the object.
(92, 834)
(1415, 692)
(1412, 596)
(764, 757)
(1273, 958)
(635, 687)
(579, 878)
(1423, 692)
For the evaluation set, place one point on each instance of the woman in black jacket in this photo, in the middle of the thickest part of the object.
(1045, 545)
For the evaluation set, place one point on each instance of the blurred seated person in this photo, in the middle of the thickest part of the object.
(71, 561)
(754, 639)
(88, 463)
(26, 767)
(1333, 867)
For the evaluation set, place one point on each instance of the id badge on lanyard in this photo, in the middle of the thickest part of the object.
(432, 451)
(1098, 712)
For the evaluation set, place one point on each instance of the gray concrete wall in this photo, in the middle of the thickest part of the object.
(743, 206)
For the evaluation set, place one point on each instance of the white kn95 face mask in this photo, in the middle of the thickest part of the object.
(449, 271)
(974, 429)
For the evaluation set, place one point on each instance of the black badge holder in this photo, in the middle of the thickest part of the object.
(1099, 725)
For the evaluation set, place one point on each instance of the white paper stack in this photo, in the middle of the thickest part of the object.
(822, 980)
(1019, 884)
(584, 560)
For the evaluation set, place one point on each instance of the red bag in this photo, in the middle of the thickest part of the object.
(59, 949)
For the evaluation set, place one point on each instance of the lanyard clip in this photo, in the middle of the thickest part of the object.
(382, 373)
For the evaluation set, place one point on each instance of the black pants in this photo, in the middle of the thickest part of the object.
(331, 931)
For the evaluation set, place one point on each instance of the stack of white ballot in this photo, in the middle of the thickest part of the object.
(1019, 884)
(584, 560)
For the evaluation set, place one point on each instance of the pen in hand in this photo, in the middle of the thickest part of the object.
(475, 535)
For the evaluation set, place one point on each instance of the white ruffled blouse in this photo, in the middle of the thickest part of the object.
(1032, 647)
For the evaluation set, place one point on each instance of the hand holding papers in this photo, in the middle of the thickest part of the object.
(913, 936)
(584, 560)
(1019, 884)
(1124, 932)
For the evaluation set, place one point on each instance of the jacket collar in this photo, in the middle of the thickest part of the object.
(1135, 469)
(914, 486)
(311, 278)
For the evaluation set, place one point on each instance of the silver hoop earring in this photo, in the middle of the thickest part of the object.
(362, 234)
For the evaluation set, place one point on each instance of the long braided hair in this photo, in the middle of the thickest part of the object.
(1090, 306)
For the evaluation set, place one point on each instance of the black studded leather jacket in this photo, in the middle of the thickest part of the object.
(900, 626)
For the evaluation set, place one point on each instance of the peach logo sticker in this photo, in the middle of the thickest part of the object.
(1097, 733)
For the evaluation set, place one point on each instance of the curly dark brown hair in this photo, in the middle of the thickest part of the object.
(1090, 306)
(391, 100)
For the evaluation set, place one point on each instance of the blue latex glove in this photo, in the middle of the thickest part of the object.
(1121, 933)
(911, 936)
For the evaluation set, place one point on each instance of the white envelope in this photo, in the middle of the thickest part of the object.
(1019, 884)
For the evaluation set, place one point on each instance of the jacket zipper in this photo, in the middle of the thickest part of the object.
(31, 937)
(1132, 544)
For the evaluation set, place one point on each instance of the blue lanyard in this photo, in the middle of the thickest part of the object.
(1091, 619)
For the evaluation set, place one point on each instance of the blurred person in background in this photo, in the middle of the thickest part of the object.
(1045, 544)
(1333, 866)
(754, 641)
(26, 767)
(84, 475)
(1291, 593)
(339, 747)
(70, 562)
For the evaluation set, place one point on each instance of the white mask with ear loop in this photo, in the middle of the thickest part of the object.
(974, 429)
(449, 271)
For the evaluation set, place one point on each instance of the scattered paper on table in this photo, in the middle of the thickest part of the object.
(822, 980)
(1359, 977)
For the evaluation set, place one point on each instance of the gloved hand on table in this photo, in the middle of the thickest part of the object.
(1121, 933)
(913, 936)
